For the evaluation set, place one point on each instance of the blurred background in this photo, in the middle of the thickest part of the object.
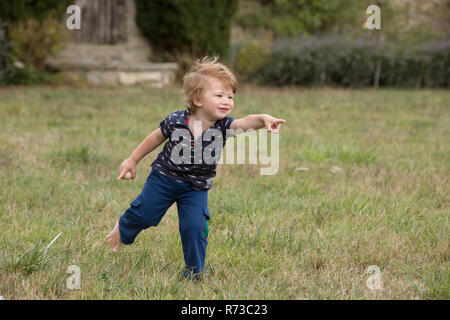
(267, 42)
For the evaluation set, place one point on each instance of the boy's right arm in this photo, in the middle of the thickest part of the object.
(150, 143)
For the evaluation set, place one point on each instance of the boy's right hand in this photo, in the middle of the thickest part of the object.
(129, 165)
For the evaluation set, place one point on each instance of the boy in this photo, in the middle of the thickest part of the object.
(209, 89)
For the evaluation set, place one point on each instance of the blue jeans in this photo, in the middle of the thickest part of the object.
(147, 210)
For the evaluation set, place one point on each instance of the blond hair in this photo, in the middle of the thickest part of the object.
(196, 80)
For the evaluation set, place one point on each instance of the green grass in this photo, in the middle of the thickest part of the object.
(294, 235)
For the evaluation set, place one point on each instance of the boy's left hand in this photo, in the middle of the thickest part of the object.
(272, 124)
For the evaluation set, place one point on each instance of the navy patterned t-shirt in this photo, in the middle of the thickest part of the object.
(187, 160)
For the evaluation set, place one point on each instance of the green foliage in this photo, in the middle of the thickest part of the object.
(251, 57)
(33, 40)
(408, 23)
(35, 31)
(195, 28)
(298, 17)
(436, 64)
(306, 16)
(354, 63)
(5, 50)
(25, 75)
(17, 10)
(253, 15)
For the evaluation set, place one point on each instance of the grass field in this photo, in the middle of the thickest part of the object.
(299, 234)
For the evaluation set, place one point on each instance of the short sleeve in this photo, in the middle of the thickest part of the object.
(227, 122)
(166, 126)
(225, 125)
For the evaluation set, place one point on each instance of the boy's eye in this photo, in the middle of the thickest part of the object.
(220, 96)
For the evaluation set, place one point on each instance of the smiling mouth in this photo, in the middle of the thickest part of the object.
(224, 109)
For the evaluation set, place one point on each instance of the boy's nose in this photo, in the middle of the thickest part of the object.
(227, 102)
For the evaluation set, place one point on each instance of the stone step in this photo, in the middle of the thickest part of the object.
(156, 74)
(100, 68)
(59, 65)
(156, 78)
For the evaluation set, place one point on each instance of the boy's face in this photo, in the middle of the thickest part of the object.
(216, 101)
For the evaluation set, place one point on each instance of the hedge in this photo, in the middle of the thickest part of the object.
(354, 63)
(5, 50)
(196, 27)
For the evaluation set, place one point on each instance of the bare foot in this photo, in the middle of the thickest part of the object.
(113, 238)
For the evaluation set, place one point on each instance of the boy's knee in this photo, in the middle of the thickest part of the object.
(193, 229)
(137, 215)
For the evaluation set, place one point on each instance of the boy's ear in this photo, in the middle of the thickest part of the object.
(196, 100)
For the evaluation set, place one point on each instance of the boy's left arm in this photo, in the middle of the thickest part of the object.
(258, 121)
